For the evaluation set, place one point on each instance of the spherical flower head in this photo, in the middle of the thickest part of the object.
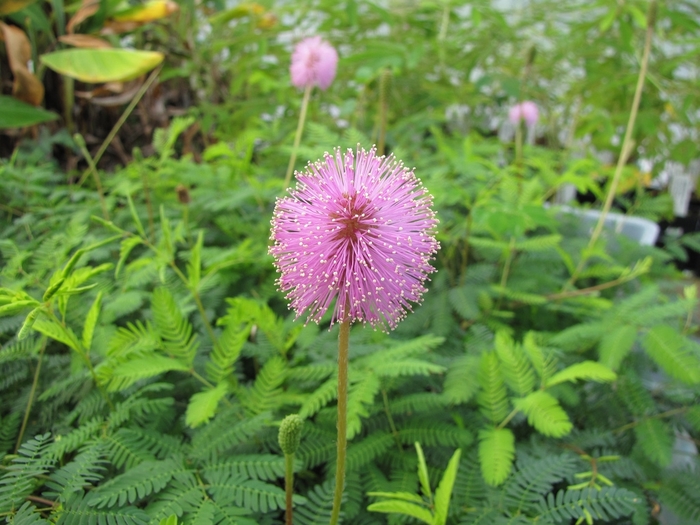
(314, 62)
(526, 111)
(359, 232)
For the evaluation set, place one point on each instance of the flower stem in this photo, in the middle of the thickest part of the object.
(288, 486)
(627, 146)
(297, 137)
(32, 393)
(343, 345)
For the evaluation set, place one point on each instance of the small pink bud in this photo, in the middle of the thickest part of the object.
(314, 63)
(526, 111)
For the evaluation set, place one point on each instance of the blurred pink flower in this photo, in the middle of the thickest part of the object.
(358, 231)
(314, 62)
(526, 111)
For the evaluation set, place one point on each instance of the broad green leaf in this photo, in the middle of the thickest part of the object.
(589, 370)
(673, 353)
(616, 344)
(544, 413)
(443, 493)
(496, 454)
(202, 406)
(91, 321)
(403, 507)
(17, 114)
(423, 472)
(60, 333)
(102, 65)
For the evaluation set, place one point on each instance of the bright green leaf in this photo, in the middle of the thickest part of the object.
(496, 454)
(202, 406)
(102, 65)
(544, 413)
(588, 370)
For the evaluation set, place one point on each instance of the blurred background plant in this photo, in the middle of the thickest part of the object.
(566, 371)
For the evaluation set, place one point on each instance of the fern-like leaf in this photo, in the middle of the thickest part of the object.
(604, 504)
(27, 515)
(673, 353)
(136, 484)
(254, 495)
(81, 509)
(544, 412)
(492, 398)
(533, 480)
(19, 479)
(656, 440)
(515, 367)
(85, 469)
(173, 327)
(496, 454)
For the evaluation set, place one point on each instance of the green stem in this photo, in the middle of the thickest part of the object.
(288, 486)
(149, 206)
(122, 119)
(383, 109)
(80, 141)
(506, 268)
(519, 148)
(297, 136)
(32, 392)
(507, 419)
(343, 351)
(390, 419)
(626, 149)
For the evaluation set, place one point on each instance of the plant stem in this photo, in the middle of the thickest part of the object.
(383, 109)
(95, 174)
(343, 351)
(122, 119)
(627, 144)
(288, 486)
(149, 206)
(390, 419)
(297, 136)
(661, 415)
(32, 392)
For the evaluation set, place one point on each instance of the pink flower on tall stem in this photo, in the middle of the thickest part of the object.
(314, 63)
(526, 111)
(358, 231)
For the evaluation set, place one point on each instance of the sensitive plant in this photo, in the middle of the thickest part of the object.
(503, 287)
(357, 235)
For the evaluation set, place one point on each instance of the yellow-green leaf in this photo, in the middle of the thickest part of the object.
(544, 413)
(102, 65)
(496, 454)
(202, 406)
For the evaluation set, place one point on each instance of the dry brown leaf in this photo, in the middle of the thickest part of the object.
(86, 10)
(26, 87)
(88, 41)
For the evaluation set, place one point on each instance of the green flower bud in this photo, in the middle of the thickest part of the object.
(290, 433)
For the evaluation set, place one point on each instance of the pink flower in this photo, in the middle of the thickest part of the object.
(526, 111)
(314, 62)
(359, 231)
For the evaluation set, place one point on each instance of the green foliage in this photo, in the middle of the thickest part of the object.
(149, 338)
